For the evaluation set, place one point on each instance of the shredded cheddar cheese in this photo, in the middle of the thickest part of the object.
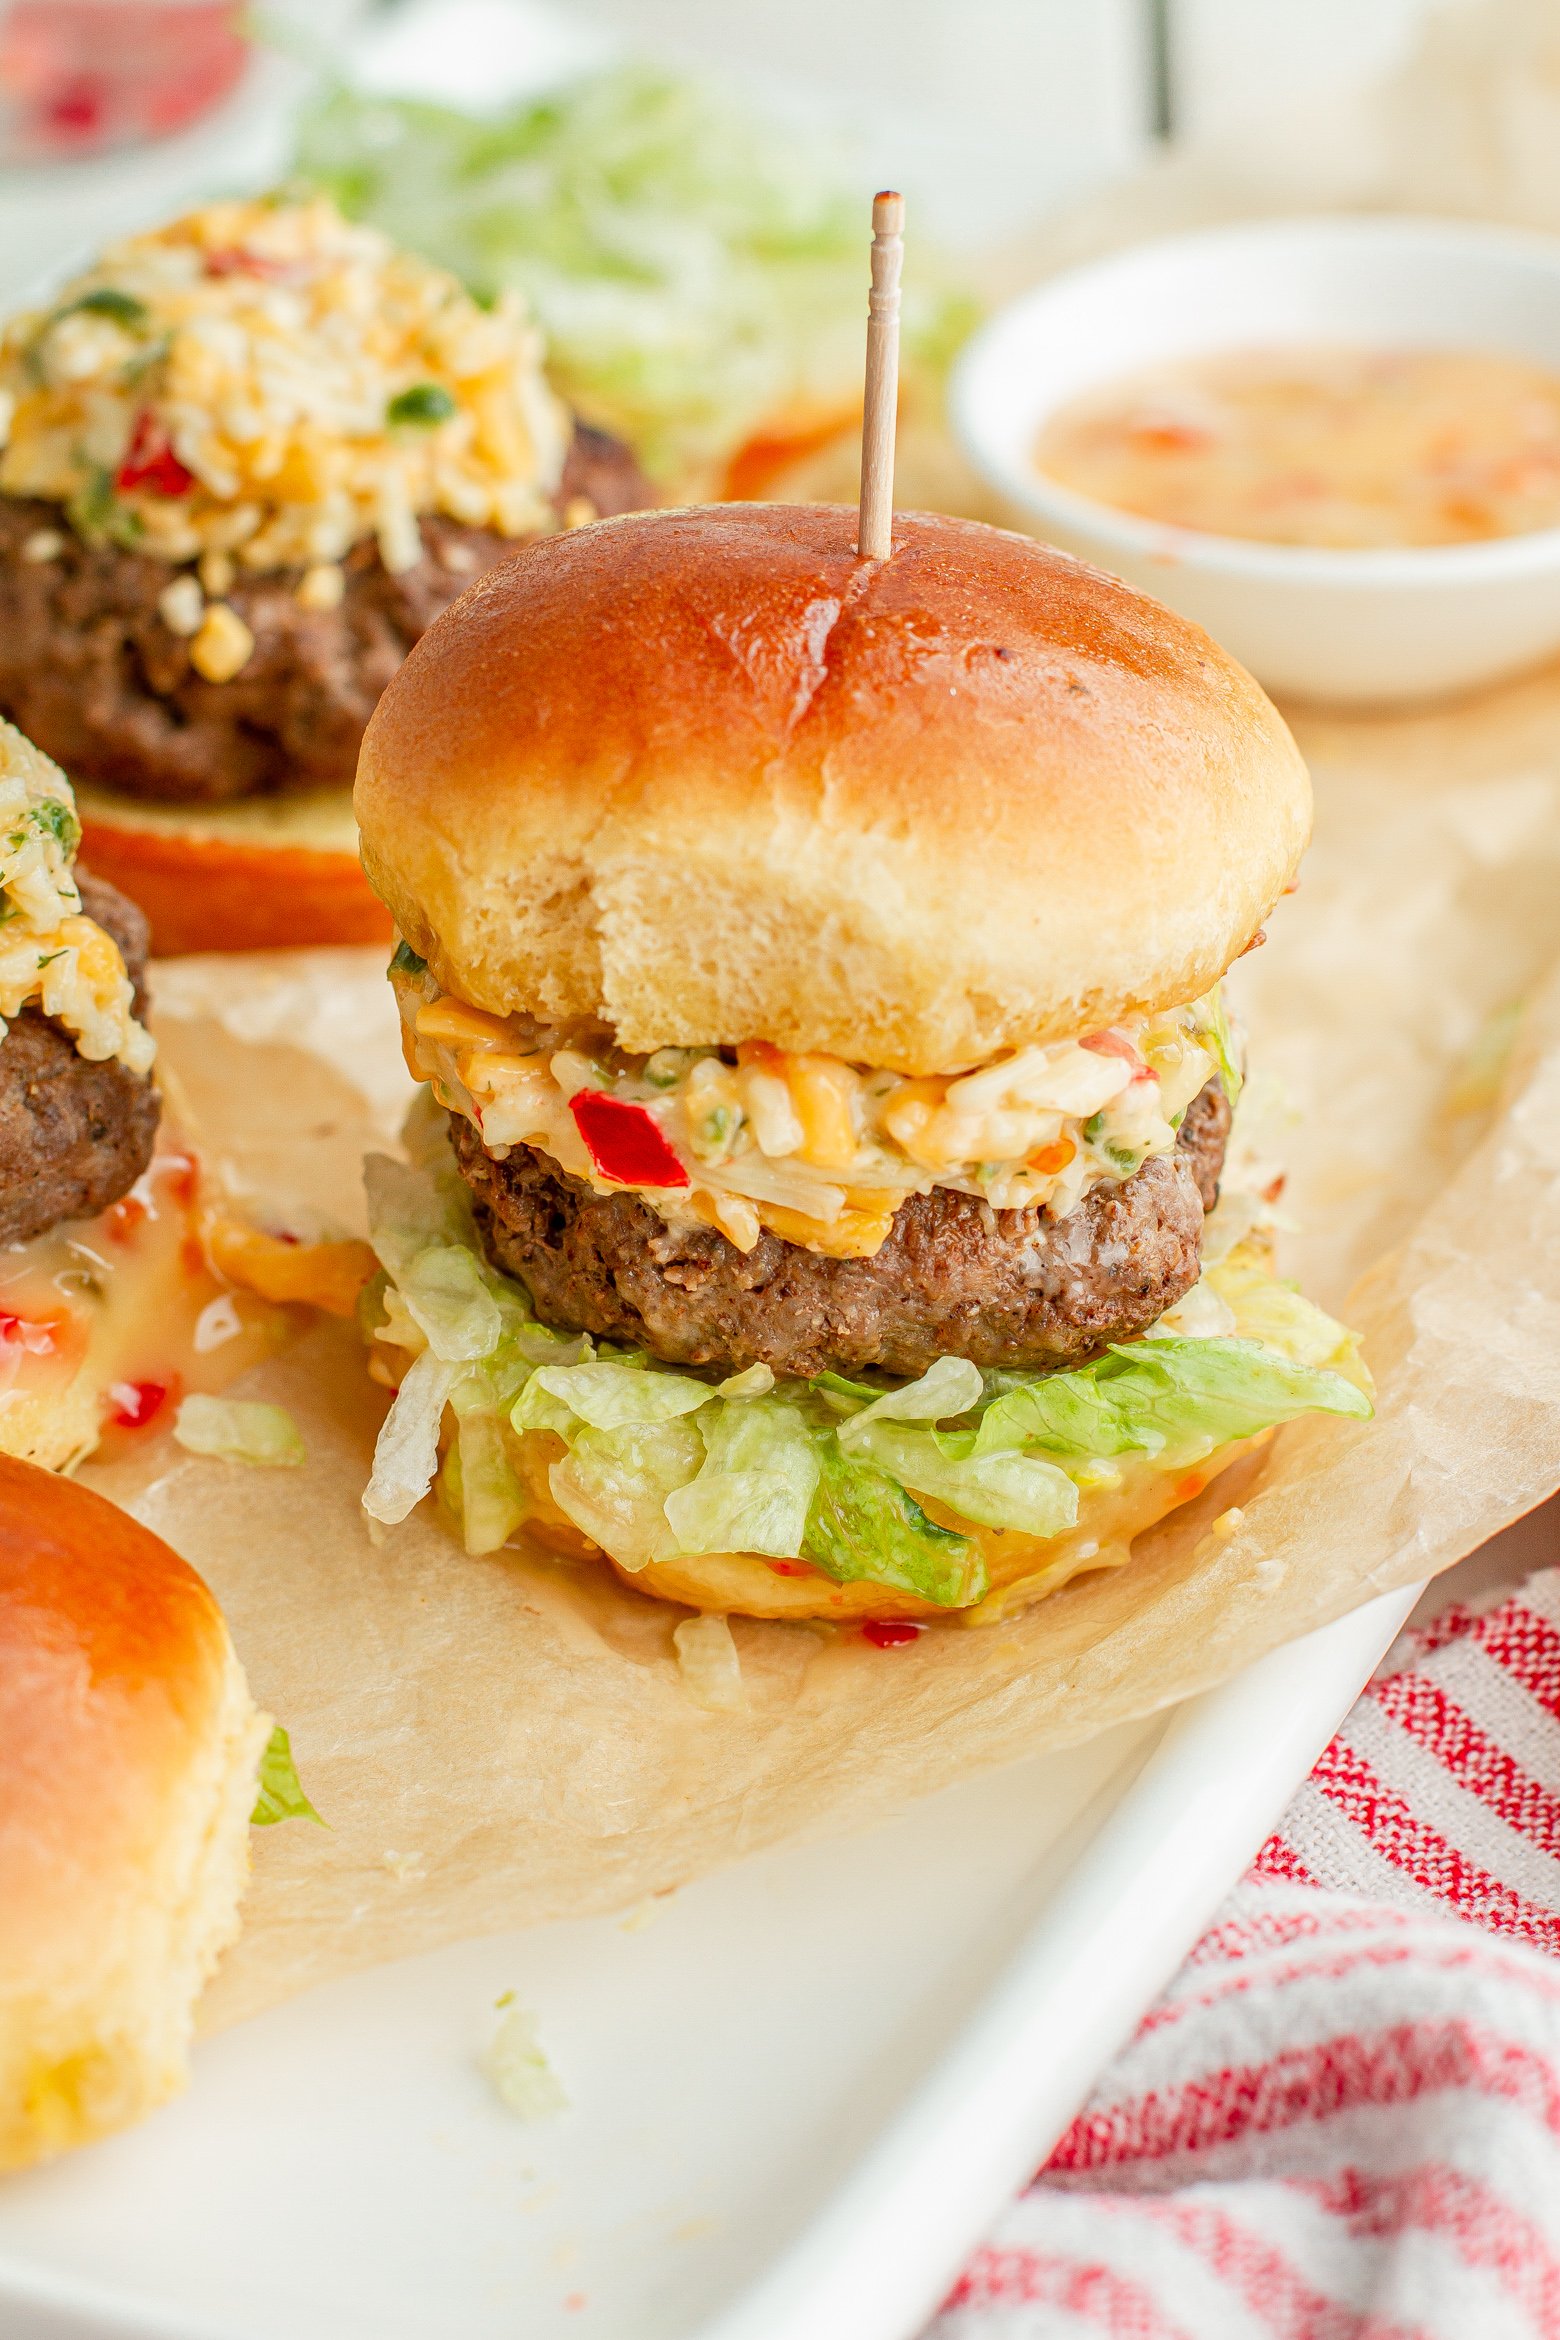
(820, 1151)
(328, 1276)
(263, 384)
(51, 953)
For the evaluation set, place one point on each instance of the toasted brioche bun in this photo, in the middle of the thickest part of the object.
(263, 873)
(127, 1776)
(708, 775)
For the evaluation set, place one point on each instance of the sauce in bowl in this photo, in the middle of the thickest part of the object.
(1325, 446)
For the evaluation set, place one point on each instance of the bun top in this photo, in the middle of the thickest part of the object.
(710, 776)
(127, 1776)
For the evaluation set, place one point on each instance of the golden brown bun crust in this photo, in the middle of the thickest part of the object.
(127, 1776)
(219, 880)
(708, 774)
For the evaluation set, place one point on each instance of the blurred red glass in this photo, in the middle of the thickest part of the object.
(79, 77)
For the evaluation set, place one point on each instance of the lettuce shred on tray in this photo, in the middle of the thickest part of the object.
(697, 268)
(657, 1462)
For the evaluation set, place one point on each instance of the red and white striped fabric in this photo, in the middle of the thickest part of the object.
(1342, 2121)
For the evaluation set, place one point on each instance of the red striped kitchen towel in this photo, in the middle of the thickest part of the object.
(1342, 2121)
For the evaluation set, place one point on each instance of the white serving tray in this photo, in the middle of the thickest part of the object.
(800, 2090)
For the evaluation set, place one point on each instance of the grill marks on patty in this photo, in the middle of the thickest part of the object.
(74, 1136)
(953, 1279)
(90, 672)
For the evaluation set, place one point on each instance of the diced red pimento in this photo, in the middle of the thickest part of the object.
(181, 1175)
(132, 1404)
(150, 461)
(624, 1142)
(234, 260)
(1116, 1044)
(121, 1219)
(790, 1568)
(891, 1632)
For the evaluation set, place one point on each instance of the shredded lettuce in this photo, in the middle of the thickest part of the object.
(243, 1430)
(653, 1462)
(281, 1794)
(1000, 1489)
(708, 1662)
(755, 1486)
(607, 1396)
(865, 1527)
(615, 1486)
(407, 1452)
(523, 2080)
(696, 266)
(1219, 1034)
(950, 1386)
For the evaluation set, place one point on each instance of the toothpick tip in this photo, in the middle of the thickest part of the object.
(888, 213)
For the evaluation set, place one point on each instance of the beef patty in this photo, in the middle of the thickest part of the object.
(954, 1278)
(74, 1136)
(91, 673)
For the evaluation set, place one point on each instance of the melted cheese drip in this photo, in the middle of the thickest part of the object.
(108, 1322)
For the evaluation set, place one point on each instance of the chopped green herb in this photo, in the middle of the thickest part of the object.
(91, 509)
(56, 820)
(281, 1794)
(406, 961)
(419, 408)
(108, 301)
(716, 1129)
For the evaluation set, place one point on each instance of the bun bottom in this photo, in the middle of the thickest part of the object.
(1020, 1569)
(263, 873)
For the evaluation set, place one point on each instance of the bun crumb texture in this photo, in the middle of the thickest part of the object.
(712, 777)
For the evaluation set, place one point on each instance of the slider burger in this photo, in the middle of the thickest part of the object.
(78, 1111)
(123, 1280)
(244, 460)
(814, 967)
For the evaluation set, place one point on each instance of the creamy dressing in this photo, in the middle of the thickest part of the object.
(110, 1321)
(50, 953)
(1341, 447)
(819, 1150)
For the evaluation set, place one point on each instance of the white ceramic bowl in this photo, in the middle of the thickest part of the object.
(1354, 627)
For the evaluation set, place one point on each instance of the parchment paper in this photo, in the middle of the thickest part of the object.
(499, 1741)
(503, 1740)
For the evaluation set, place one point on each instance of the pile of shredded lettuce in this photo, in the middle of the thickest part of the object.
(659, 1462)
(698, 269)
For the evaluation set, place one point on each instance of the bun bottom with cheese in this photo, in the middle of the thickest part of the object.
(128, 1769)
(1016, 1569)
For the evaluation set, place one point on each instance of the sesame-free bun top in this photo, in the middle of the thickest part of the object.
(712, 777)
(128, 1753)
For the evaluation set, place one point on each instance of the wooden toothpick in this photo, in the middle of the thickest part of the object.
(875, 532)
